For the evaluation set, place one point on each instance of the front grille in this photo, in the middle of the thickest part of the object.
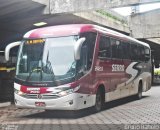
(41, 96)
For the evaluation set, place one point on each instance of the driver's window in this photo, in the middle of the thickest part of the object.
(87, 50)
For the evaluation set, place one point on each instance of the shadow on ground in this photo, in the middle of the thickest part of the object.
(81, 113)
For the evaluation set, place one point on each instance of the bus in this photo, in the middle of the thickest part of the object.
(76, 66)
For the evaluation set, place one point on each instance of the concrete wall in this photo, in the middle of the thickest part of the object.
(145, 25)
(61, 6)
(104, 20)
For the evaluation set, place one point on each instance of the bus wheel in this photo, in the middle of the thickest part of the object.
(99, 101)
(139, 94)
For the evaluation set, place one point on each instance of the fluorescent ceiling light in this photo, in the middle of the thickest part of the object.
(39, 24)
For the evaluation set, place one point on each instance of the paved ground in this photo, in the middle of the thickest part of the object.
(125, 111)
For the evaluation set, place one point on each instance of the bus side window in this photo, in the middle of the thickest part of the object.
(147, 54)
(120, 52)
(138, 53)
(104, 47)
(142, 53)
(115, 45)
(126, 48)
(133, 51)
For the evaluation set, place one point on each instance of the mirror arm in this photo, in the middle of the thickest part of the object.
(77, 48)
(9, 47)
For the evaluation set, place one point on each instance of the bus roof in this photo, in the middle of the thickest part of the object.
(59, 30)
(74, 29)
(119, 35)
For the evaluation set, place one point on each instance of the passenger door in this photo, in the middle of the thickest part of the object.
(103, 64)
(85, 67)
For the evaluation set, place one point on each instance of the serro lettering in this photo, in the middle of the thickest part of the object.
(116, 67)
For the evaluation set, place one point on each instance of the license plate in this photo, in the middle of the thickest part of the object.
(40, 104)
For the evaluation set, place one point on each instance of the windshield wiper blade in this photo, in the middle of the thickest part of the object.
(35, 66)
(33, 70)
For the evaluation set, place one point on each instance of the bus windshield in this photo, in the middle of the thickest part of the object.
(47, 60)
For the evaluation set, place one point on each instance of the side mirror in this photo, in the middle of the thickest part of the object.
(9, 47)
(77, 48)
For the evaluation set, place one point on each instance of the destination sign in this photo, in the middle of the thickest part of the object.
(35, 41)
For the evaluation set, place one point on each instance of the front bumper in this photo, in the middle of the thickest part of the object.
(74, 101)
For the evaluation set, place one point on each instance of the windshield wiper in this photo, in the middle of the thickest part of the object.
(33, 69)
(35, 66)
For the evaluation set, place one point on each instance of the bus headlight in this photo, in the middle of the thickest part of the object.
(67, 90)
(18, 92)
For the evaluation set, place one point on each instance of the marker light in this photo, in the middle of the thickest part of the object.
(20, 93)
(39, 24)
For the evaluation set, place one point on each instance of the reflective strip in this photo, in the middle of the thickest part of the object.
(8, 69)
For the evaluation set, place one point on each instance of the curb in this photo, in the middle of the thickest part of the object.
(5, 104)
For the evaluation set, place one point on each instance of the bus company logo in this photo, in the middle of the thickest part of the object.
(33, 90)
(117, 67)
(39, 96)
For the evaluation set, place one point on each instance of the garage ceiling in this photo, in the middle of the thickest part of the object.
(12, 14)
(18, 16)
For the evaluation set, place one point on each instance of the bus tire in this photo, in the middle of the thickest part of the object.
(99, 100)
(139, 94)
